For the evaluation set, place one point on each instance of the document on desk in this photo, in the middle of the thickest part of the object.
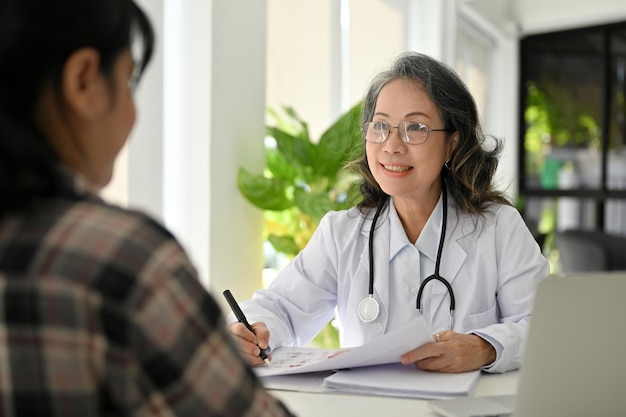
(406, 381)
(386, 349)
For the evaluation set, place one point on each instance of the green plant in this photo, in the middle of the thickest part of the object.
(303, 180)
(555, 118)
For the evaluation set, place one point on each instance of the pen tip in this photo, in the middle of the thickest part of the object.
(267, 362)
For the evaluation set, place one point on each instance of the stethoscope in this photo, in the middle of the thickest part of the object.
(369, 309)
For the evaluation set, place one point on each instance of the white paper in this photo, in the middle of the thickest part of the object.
(397, 380)
(386, 349)
(492, 405)
(305, 382)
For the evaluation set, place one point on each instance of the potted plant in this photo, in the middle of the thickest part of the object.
(303, 180)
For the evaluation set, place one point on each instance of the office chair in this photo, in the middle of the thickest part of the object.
(585, 250)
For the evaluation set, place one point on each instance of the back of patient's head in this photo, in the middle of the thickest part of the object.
(36, 39)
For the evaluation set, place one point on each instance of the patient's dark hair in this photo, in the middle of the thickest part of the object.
(36, 39)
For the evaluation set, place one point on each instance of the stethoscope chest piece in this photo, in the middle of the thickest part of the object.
(368, 309)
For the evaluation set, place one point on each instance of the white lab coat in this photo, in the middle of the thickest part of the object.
(493, 265)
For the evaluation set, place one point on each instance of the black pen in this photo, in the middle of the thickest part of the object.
(242, 319)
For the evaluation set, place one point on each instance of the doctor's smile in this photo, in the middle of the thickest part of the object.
(397, 169)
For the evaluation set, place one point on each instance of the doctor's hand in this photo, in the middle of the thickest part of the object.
(249, 343)
(452, 352)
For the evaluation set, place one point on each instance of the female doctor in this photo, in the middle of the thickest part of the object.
(430, 236)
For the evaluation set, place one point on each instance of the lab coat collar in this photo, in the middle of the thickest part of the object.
(453, 255)
(390, 238)
(386, 242)
(397, 236)
(428, 240)
(398, 239)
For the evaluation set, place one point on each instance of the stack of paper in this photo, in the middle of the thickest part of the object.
(397, 380)
(386, 349)
(371, 369)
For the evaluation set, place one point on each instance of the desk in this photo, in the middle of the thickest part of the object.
(305, 404)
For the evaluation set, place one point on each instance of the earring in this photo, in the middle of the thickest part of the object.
(447, 164)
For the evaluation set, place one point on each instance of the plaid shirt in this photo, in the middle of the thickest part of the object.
(101, 314)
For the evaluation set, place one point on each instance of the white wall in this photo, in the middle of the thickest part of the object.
(536, 16)
(497, 95)
(306, 40)
(542, 16)
(187, 87)
(300, 41)
(201, 116)
(236, 139)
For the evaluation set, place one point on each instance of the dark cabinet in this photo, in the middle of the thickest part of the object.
(573, 130)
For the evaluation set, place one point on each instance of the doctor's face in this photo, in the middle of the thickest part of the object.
(401, 169)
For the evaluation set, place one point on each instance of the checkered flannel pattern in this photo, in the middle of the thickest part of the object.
(101, 313)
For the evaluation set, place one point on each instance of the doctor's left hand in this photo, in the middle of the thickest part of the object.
(453, 352)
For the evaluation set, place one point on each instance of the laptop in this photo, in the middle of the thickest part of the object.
(575, 358)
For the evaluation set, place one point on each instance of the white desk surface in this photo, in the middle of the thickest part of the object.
(305, 404)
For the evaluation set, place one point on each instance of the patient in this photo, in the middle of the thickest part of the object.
(101, 311)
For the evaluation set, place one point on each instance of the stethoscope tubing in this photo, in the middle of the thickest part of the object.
(368, 303)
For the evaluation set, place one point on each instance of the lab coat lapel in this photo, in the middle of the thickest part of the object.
(453, 255)
(452, 259)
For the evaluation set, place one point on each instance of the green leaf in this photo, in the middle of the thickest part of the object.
(265, 193)
(340, 143)
(284, 244)
(278, 165)
(297, 150)
(315, 205)
(291, 123)
(303, 180)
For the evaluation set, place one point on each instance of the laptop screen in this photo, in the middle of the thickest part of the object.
(574, 362)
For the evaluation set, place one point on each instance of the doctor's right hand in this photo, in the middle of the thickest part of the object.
(249, 343)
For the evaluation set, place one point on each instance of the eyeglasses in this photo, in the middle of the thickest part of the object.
(413, 133)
